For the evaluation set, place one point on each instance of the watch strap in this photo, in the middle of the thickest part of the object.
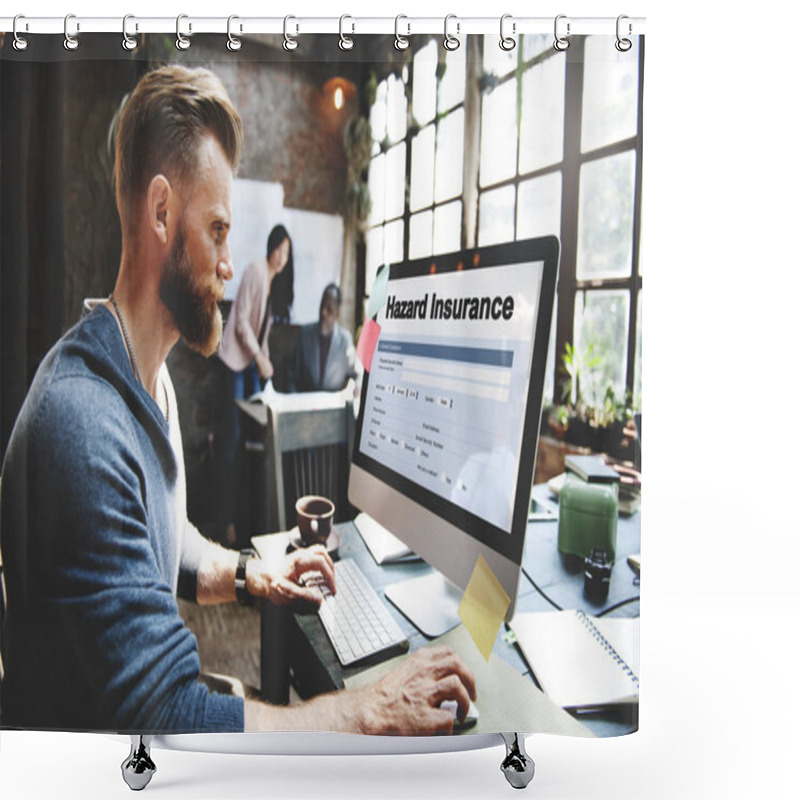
(240, 582)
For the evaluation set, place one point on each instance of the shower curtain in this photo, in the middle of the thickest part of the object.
(370, 150)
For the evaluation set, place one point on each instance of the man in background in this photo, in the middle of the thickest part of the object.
(324, 359)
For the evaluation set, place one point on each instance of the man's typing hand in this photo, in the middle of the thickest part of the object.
(281, 582)
(407, 700)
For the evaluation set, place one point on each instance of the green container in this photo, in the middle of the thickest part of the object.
(587, 517)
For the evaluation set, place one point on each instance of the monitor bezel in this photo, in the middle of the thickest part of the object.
(544, 250)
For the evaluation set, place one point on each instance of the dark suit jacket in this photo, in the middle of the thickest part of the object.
(339, 367)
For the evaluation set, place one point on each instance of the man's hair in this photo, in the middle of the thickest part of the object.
(333, 289)
(161, 125)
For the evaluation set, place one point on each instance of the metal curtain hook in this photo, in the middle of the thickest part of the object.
(561, 42)
(234, 44)
(288, 42)
(70, 42)
(400, 42)
(623, 45)
(450, 42)
(507, 42)
(128, 42)
(181, 42)
(345, 42)
(20, 42)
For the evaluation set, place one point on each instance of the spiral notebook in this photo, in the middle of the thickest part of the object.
(581, 662)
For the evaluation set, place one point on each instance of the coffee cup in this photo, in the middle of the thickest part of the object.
(314, 519)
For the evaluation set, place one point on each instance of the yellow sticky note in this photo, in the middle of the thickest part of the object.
(483, 607)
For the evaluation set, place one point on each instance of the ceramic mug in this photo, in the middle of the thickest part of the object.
(314, 519)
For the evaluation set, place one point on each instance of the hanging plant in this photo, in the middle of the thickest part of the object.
(358, 149)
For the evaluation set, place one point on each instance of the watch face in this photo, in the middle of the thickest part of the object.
(240, 581)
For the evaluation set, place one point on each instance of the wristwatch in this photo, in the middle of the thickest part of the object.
(240, 582)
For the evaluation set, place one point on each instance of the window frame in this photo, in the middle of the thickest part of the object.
(573, 159)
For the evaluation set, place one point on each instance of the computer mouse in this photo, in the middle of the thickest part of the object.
(470, 720)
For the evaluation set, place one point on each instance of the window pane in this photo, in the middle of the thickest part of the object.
(447, 228)
(542, 127)
(499, 134)
(637, 364)
(610, 92)
(454, 80)
(422, 151)
(605, 217)
(424, 84)
(377, 188)
(539, 207)
(535, 43)
(377, 117)
(393, 242)
(601, 322)
(374, 241)
(497, 61)
(450, 156)
(420, 235)
(395, 181)
(396, 105)
(496, 216)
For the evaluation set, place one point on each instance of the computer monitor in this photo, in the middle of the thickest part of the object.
(448, 425)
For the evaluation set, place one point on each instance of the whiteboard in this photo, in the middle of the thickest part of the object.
(317, 241)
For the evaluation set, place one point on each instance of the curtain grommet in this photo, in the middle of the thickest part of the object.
(401, 42)
(451, 42)
(623, 44)
(345, 42)
(507, 43)
(20, 42)
(129, 43)
(560, 43)
(234, 44)
(289, 42)
(181, 41)
(70, 41)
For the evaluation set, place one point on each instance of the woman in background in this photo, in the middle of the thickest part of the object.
(265, 293)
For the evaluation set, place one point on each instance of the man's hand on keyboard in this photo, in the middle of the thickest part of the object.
(281, 582)
(407, 700)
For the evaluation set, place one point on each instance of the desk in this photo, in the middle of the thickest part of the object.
(296, 641)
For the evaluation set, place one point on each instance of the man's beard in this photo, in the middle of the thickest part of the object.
(193, 306)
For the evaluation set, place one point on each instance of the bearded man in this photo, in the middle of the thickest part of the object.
(95, 539)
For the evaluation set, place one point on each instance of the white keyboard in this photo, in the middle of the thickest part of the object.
(355, 618)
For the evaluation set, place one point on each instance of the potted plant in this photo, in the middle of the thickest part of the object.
(594, 423)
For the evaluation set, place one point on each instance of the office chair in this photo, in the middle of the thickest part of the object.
(308, 452)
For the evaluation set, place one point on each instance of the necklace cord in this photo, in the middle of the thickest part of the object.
(131, 355)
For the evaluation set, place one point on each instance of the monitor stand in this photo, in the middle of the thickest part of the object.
(430, 602)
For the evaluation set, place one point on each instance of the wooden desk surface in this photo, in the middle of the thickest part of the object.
(315, 667)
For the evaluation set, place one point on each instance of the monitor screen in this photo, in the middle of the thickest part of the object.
(450, 410)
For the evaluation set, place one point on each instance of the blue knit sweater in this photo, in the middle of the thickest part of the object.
(95, 545)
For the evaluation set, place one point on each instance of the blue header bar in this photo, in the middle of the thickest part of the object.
(469, 355)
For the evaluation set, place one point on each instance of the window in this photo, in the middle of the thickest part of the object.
(435, 143)
(387, 177)
(498, 150)
(607, 273)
